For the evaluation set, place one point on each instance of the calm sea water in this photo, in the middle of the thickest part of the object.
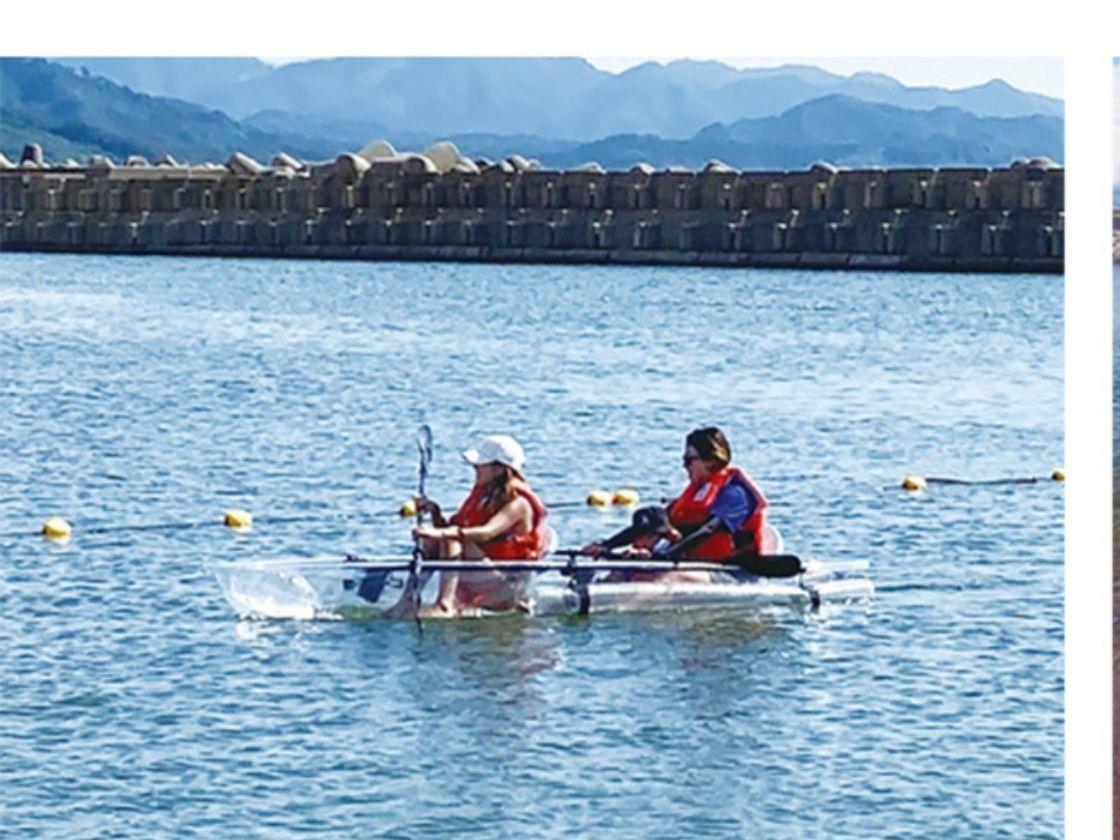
(146, 391)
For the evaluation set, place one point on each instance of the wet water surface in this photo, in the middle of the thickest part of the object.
(146, 391)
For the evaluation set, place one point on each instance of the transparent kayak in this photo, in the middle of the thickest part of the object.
(327, 588)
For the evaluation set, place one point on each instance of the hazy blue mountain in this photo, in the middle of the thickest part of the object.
(71, 114)
(551, 97)
(193, 79)
(702, 75)
(329, 134)
(895, 136)
(333, 136)
(440, 95)
(839, 129)
(995, 98)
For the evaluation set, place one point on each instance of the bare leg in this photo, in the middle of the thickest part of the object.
(466, 590)
(434, 549)
(430, 549)
(447, 602)
(493, 591)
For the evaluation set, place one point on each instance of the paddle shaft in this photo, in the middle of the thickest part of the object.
(773, 565)
(760, 565)
(424, 444)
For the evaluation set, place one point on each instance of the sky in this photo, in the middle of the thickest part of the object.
(1037, 75)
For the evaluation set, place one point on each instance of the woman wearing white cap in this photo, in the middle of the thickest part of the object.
(501, 519)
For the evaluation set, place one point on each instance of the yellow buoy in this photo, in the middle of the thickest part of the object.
(1058, 474)
(238, 519)
(56, 528)
(598, 498)
(408, 508)
(625, 496)
(913, 482)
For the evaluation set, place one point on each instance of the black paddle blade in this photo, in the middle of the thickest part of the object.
(424, 444)
(769, 565)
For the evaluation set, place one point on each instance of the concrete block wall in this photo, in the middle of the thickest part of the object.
(403, 208)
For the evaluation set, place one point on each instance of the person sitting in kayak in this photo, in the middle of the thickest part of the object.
(721, 513)
(501, 519)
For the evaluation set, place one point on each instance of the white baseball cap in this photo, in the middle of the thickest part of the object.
(497, 449)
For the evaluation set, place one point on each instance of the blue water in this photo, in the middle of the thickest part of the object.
(147, 391)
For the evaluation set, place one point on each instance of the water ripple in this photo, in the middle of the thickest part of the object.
(144, 391)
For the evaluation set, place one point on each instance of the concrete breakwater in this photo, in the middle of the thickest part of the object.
(381, 204)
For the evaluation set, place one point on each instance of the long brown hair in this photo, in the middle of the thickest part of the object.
(499, 490)
(710, 444)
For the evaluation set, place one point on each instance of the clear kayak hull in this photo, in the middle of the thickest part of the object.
(309, 589)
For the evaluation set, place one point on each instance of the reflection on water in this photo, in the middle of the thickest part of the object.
(146, 391)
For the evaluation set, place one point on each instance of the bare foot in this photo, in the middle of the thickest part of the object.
(438, 610)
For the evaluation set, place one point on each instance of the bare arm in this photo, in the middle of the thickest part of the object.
(597, 549)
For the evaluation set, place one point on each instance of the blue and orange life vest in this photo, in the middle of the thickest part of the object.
(530, 545)
(694, 506)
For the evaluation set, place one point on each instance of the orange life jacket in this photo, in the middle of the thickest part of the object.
(694, 506)
(530, 545)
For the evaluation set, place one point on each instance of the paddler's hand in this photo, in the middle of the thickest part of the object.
(641, 549)
(429, 532)
(593, 550)
(426, 505)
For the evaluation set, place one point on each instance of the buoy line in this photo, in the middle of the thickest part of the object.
(918, 483)
(57, 529)
(986, 482)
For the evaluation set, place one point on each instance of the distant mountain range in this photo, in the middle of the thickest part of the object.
(74, 113)
(845, 131)
(559, 98)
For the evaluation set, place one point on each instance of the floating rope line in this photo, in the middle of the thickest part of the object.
(916, 483)
(985, 482)
(60, 530)
(53, 528)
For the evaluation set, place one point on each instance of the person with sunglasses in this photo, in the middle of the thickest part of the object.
(719, 515)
